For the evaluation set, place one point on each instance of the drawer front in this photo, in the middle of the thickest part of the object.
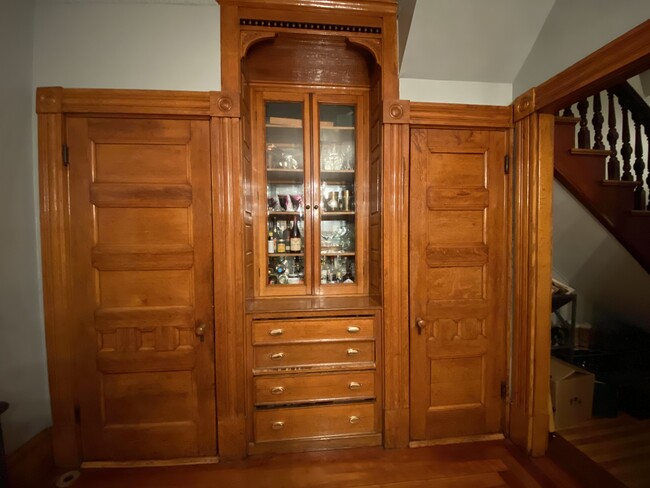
(294, 423)
(269, 390)
(295, 330)
(325, 353)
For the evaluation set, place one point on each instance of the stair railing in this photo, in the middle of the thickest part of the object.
(631, 106)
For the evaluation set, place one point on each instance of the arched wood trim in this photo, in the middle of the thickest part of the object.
(369, 44)
(249, 38)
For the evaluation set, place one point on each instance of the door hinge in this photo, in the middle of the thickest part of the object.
(65, 153)
(506, 164)
(504, 390)
(77, 414)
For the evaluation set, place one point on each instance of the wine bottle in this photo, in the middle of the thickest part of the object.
(295, 242)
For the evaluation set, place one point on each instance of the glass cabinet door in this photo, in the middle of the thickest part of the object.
(286, 174)
(337, 190)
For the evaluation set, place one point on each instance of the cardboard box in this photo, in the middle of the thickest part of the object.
(572, 393)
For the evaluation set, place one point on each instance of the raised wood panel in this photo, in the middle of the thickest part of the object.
(457, 255)
(449, 373)
(134, 195)
(104, 258)
(139, 163)
(455, 283)
(448, 198)
(119, 289)
(111, 319)
(465, 170)
(140, 131)
(456, 226)
(131, 398)
(141, 227)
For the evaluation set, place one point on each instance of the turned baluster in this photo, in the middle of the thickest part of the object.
(626, 149)
(583, 133)
(647, 180)
(613, 164)
(597, 121)
(568, 112)
(639, 166)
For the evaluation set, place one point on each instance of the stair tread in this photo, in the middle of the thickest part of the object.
(590, 152)
(627, 184)
(566, 120)
(640, 213)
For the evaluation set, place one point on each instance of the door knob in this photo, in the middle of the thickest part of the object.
(199, 330)
(420, 324)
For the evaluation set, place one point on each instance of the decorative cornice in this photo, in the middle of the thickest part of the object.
(397, 112)
(461, 115)
(319, 26)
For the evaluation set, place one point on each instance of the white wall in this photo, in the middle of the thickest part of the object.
(136, 44)
(442, 91)
(573, 30)
(23, 373)
(610, 283)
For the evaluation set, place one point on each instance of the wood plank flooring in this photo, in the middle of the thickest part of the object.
(476, 465)
(621, 445)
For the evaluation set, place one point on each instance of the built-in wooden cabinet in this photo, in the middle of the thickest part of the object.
(314, 377)
(310, 167)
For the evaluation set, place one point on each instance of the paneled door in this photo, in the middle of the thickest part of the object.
(141, 240)
(458, 277)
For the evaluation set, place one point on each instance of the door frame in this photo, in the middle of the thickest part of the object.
(53, 105)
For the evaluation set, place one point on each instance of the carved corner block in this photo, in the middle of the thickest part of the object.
(49, 100)
(224, 104)
(524, 105)
(397, 112)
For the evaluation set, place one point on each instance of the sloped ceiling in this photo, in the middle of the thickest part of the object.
(468, 40)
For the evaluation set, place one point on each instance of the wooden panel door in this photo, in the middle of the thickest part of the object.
(458, 270)
(142, 257)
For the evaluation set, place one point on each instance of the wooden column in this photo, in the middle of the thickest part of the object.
(55, 256)
(227, 202)
(532, 213)
(395, 198)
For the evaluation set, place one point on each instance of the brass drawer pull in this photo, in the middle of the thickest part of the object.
(276, 332)
(354, 419)
(277, 425)
(353, 329)
(277, 356)
(277, 390)
(354, 385)
(353, 352)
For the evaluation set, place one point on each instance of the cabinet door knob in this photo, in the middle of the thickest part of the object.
(353, 329)
(277, 356)
(276, 332)
(354, 385)
(277, 390)
(315, 207)
(354, 419)
(353, 352)
(307, 207)
(277, 425)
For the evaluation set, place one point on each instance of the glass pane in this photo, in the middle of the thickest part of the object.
(285, 192)
(337, 191)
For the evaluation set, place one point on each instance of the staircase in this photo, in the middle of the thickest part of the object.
(612, 189)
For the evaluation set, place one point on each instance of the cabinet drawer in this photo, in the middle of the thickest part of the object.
(269, 390)
(294, 423)
(325, 353)
(295, 330)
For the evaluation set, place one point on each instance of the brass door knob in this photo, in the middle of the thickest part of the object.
(199, 330)
(420, 324)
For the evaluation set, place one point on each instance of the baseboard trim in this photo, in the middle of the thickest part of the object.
(150, 463)
(457, 440)
(32, 463)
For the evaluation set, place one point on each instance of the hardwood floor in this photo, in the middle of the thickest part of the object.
(476, 465)
(620, 445)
